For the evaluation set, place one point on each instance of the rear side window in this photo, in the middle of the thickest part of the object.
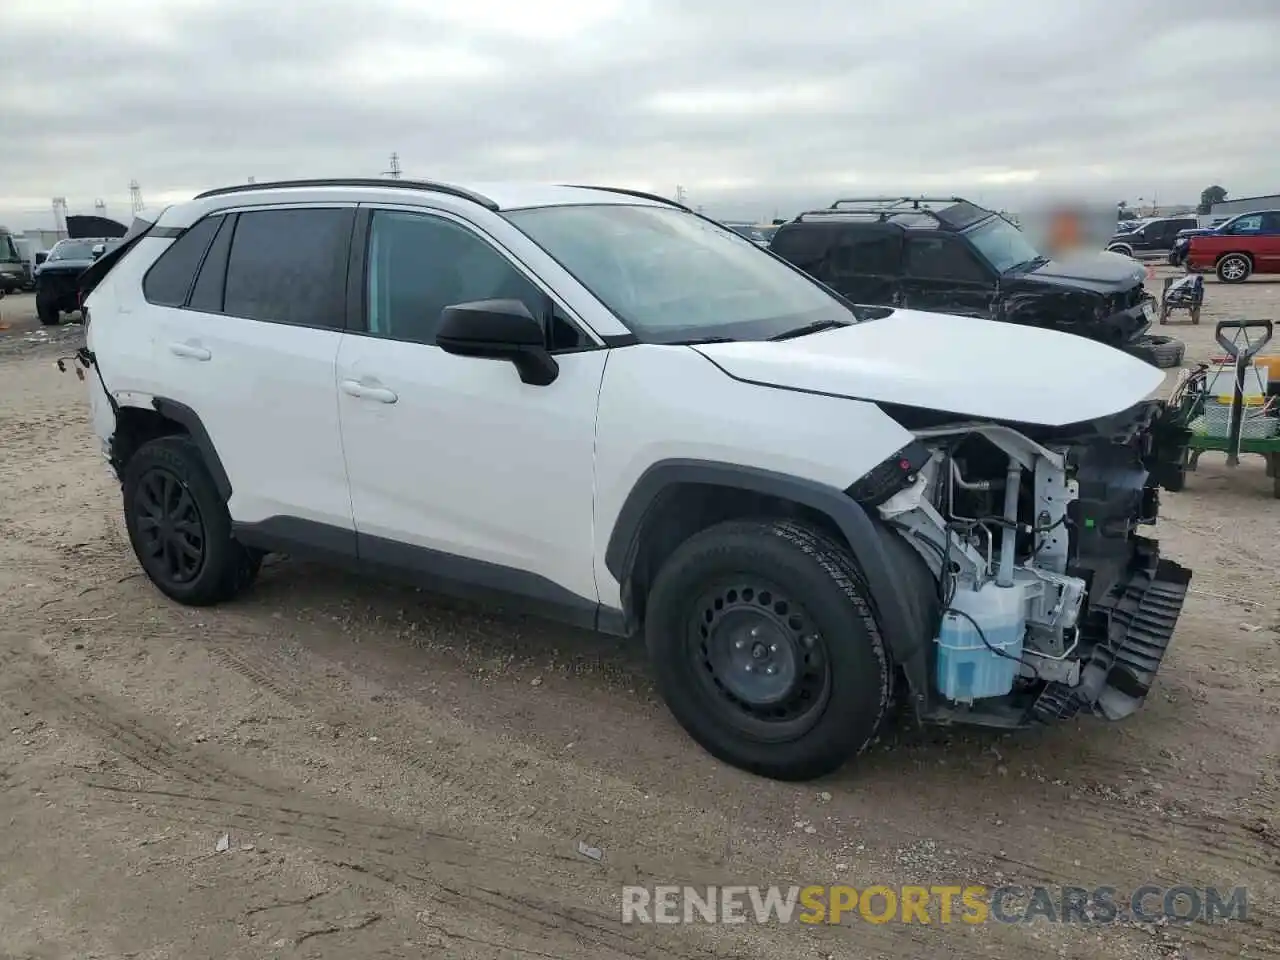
(290, 266)
(169, 280)
(941, 258)
(865, 253)
(804, 246)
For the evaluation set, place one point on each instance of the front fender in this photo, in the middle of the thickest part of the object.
(899, 588)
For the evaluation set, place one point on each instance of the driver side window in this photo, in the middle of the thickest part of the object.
(1249, 224)
(420, 264)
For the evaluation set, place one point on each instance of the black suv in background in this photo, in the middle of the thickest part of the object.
(57, 279)
(1153, 237)
(948, 255)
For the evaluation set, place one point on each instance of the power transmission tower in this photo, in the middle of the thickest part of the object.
(135, 197)
(60, 214)
(394, 171)
(100, 207)
(680, 194)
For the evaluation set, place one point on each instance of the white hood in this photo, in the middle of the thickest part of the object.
(976, 368)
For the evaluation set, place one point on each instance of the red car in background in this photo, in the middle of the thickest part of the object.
(1246, 245)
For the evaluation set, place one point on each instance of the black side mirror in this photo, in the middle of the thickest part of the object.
(499, 330)
(41, 257)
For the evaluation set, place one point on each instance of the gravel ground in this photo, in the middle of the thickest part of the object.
(395, 775)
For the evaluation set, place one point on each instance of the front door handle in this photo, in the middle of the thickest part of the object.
(362, 391)
(189, 351)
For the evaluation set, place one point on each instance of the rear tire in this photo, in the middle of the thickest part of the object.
(1234, 268)
(765, 649)
(1122, 250)
(179, 525)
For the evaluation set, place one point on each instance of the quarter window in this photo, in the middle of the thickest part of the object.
(207, 294)
(290, 266)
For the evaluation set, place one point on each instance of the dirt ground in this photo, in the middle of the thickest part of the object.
(396, 775)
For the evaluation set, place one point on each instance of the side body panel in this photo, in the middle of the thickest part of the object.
(661, 403)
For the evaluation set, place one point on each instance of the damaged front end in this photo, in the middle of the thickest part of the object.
(1053, 602)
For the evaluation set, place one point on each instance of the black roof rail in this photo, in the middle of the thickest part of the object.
(879, 212)
(638, 194)
(431, 185)
(956, 213)
(897, 201)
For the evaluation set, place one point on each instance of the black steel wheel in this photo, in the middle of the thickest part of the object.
(765, 649)
(762, 657)
(179, 525)
(170, 527)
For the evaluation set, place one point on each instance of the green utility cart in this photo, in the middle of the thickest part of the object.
(1244, 421)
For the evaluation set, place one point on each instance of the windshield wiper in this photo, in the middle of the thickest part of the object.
(1037, 261)
(696, 340)
(808, 328)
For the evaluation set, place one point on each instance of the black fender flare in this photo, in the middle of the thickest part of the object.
(181, 413)
(880, 554)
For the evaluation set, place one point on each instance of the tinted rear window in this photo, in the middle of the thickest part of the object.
(804, 246)
(290, 266)
(169, 280)
(940, 258)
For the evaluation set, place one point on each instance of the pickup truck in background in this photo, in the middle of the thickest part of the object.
(1239, 225)
(1244, 244)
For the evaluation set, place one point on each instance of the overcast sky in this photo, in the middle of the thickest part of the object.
(754, 106)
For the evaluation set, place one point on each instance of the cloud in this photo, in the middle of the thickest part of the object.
(751, 107)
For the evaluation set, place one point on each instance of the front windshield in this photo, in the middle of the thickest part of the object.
(1002, 244)
(71, 250)
(672, 276)
(8, 249)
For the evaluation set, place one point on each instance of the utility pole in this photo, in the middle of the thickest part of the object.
(394, 171)
(680, 194)
(100, 207)
(135, 197)
(60, 214)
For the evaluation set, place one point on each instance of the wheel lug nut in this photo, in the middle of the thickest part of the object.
(739, 644)
(773, 648)
(755, 631)
(748, 668)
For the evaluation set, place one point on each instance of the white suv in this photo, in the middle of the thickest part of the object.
(600, 405)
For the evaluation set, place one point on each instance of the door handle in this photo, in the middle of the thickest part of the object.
(189, 351)
(354, 388)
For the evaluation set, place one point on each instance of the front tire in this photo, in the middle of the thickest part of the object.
(765, 649)
(1234, 268)
(179, 525)
(1122, 250)
(48, 313)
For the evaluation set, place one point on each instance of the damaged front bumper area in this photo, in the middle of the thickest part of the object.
(1053, 603)
(1126, 635)
(1135, 596)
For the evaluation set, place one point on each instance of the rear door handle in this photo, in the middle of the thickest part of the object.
(362, 391)
(189, 351)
